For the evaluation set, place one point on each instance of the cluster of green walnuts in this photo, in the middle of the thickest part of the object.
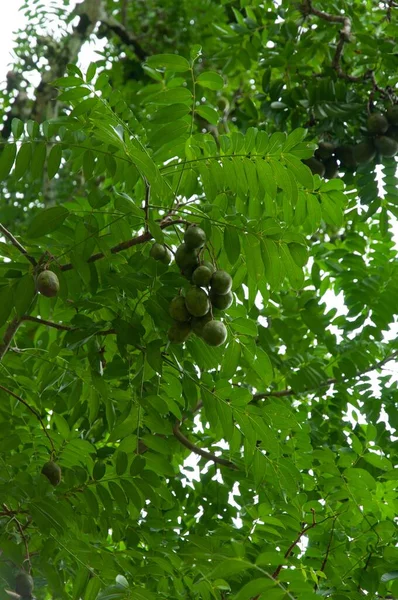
(210, 290)
(382, 140)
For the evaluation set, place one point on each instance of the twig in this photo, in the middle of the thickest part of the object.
(140, 239)
(33, 411)
(9, 334)
(17, 245)
(62, 327)
(146, 204)
(294, 544)
(25, 541)
(185, 442)
(126, 37)
(344, 38)
(330, 381)
(325, 560)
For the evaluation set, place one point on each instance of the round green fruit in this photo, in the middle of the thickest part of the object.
(392, 132)
(325, 150)
(331, 168)
(198, 323)
(316, 167)
(186, 258)
(52, 471)
(194, 237)
(221, 282)
(178, 310)
(345, 154)
(160, 253)
(179, 332)
(392, 114)
(197, 301)
(223, 301)
(47, 284)
(364, 152)
(208, 265)
(214, 333)
(201, 276)
(24, 584)
(386, 146)
(377, 123)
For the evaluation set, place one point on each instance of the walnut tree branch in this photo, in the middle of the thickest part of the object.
(33, 411)
(62, 327)
(140, 239)
(185, 442)
(327, 382)
(17, 245)
(294, 544)
(9, 334)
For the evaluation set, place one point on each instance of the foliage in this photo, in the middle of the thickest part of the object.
(290, 486)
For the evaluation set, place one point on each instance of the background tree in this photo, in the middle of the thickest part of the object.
(204, 114)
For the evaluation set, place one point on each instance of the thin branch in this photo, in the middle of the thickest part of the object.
(127, 38)
(17, 245)
(25, 541)
(9, 334)
(325, 560)
(62, 327)
(185, 442)
(344, 38)
(146, 204)
(327, 383)
(140, 239)
(294, 544)
(33, 411)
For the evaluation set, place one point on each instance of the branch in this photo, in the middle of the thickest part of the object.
(9, 334)
(146, 204)
(33, 411)
(325, 560)
(140, 239)
(63, 327)
(185, 442)
(327, 383)
(294, 544)
(17, 245)
(127, 38)
(344, 38)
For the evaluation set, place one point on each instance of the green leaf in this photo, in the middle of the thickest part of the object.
(7, 158)
(208, 113)
(244, 326)
(231, 566)
(17, 128)
(92, 589)
(22, 160)
(6, 303)
(172, 62)
(54, 160)
(232, 243)
(210, 80)
(380, 462)
(46, 221)
(255, 587)
(273, 266)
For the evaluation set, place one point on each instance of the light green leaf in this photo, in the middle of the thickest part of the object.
(172, 62)
(210, 80)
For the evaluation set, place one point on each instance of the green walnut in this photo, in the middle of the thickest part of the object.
(331, 168)
(364, 152)
(214, 333)
(221, 282)
(377, 123)
(177, 309)
(201, 276)
(392, 114)
(315, 166)
(186, 258)
(198, 323)
(179, 332)
(222, 302)
(197, 301)
(392, 132)
(24, 584)
(160, 253)
(53, 472)
(194, 237)
(345, 154)
(47, 284)
(386, 146)
(325, 150)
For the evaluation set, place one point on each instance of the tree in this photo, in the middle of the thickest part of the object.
(202, 114)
